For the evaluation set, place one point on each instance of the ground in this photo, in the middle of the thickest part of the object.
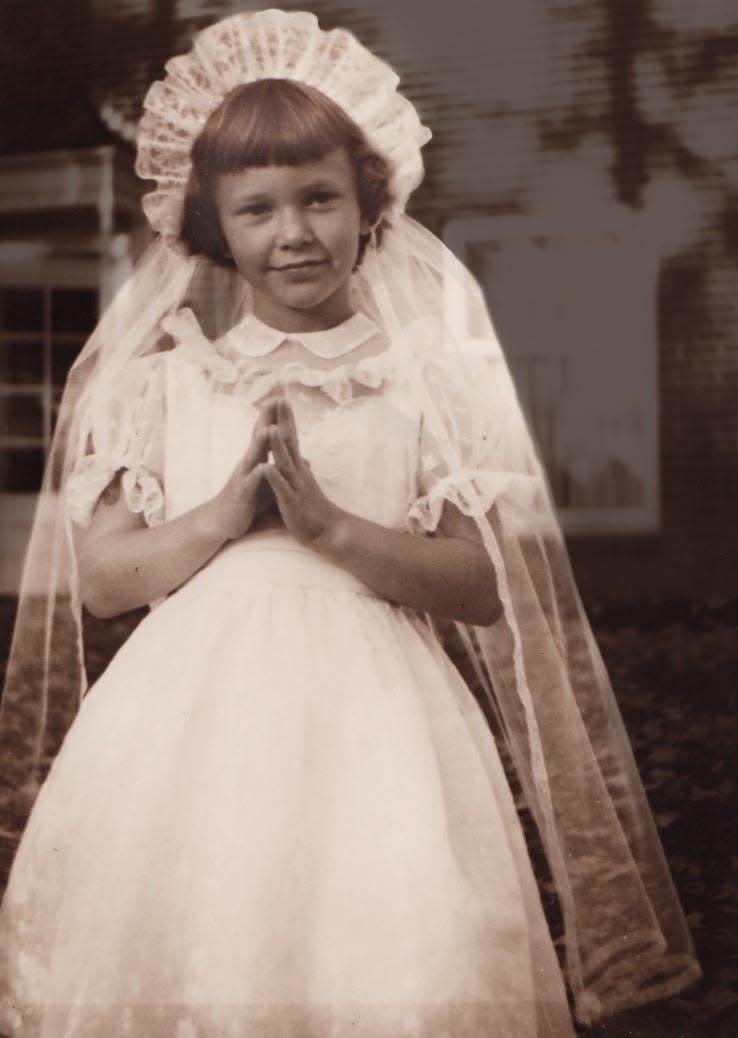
(674, 667)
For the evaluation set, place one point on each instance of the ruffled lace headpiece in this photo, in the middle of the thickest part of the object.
(276, 45)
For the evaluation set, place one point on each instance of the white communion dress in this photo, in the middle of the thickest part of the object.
(279, 812)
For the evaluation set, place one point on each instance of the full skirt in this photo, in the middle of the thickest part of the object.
(278, 812)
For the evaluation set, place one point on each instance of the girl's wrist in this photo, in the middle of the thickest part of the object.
(335, 541)
(210, 527)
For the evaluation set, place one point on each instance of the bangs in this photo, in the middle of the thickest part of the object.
(272, 122)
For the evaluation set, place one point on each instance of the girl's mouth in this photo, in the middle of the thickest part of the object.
(300, 265)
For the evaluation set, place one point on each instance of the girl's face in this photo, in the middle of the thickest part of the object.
(293, 233)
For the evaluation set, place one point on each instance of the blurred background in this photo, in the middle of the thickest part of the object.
(584, 164)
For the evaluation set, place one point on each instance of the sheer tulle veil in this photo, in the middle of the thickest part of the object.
(626, 940)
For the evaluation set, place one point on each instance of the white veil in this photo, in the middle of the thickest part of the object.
(626, 940)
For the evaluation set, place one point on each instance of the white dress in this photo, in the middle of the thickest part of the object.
(279, 812)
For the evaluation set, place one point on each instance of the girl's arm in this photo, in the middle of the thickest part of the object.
(124, 564)
(449, 575)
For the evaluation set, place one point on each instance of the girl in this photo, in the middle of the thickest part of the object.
(279, 811)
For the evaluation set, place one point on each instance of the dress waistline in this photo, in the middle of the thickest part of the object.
(273, 557)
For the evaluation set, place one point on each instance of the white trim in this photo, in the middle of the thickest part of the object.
(96, 178)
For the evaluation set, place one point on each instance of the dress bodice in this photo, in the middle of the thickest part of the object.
(179, 421)
(363, 450)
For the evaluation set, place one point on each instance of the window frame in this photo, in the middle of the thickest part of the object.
(45, 389)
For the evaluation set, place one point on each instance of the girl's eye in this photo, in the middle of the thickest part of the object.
(254, 209)
(321, 197)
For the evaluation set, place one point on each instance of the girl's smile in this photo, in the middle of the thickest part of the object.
(301, 267)
(293, 233)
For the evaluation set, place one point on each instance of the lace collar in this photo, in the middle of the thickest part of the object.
(233, 364)
(252, 338)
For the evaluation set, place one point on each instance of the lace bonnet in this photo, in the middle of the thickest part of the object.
(271, 44)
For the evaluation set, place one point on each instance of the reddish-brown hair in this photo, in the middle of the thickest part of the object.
(274, 122)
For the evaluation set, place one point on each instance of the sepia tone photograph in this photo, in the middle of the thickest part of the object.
(368, 506)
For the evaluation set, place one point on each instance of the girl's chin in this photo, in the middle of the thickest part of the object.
(332, 307)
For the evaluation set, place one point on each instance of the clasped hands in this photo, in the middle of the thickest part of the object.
(258, 483)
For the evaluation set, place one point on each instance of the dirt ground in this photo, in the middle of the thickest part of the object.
(674, 667)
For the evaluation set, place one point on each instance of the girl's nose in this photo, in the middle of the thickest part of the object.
(294, 229)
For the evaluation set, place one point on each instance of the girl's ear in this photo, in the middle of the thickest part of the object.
(365, 226)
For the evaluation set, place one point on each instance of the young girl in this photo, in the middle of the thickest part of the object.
(279, 811)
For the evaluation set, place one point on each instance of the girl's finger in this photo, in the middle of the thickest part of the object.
(258, 449)
(268, 412)
(286, 422)
(251, 483)
(282, 458)
(282, 489)
(267, 415)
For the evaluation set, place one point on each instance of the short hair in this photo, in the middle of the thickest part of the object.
(275, 122)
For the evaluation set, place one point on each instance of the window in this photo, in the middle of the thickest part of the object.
(42, 329)
(575, 311)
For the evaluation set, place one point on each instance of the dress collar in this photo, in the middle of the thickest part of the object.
(255, 339)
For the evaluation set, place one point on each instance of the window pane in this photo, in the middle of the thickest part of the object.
(21, 469)
(21, 416)
(73, 309)
(21, 362)
(63, 355)
(21, 309)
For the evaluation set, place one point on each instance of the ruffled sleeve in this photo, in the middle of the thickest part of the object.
(126, 431)
(473, 441)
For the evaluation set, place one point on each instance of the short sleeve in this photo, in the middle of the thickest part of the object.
(126, 432)
(474, 443)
